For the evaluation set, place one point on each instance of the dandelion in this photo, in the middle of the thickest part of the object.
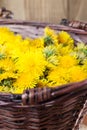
(77, 73)
(50, 37)
(65, 38)
(67, 61)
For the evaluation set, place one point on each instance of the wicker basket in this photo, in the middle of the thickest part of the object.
(60, 108)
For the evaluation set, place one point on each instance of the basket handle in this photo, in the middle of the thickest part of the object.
(38, 95)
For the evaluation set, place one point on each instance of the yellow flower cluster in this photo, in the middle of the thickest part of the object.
(50, 60)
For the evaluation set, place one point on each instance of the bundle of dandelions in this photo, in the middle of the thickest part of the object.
(51, 60)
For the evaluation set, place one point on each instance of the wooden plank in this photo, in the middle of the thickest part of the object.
(16, 6)
(46, 10)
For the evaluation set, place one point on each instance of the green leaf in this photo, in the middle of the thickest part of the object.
(7, 82)
(85, 51)
(2, 70)
(2, 56)
(48, 41)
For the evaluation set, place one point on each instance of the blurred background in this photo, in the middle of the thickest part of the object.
(47, 10)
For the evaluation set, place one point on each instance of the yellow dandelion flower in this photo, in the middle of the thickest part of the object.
(26, 80)
(1, 88)
(37, 43)
(77, 73)
(17, 90)
(67, 61)
(6, 35)
(65, 50)
(6, 75)
(4, 89)
(31, 61)
(58, 76)
(52, 61)
(65, 38)
(11, 49)
(49, 33)
(7, 64)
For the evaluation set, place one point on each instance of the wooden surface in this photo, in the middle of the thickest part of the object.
(16, 6)
(47, 10)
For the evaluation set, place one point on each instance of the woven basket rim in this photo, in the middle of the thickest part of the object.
(42, 24)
